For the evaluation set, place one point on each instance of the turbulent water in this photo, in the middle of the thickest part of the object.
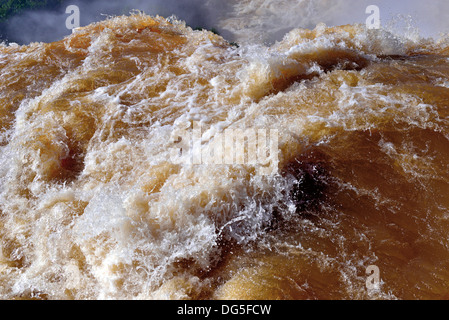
(93, 207)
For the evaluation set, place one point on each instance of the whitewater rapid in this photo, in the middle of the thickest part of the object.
(93, 207)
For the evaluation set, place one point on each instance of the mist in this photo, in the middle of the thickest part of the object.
(49, 25)
(238, 20)
(269, 20)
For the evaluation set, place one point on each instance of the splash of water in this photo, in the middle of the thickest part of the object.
(91, 207)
